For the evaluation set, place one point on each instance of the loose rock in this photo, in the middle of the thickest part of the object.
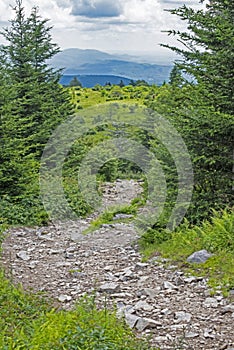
(199, 257)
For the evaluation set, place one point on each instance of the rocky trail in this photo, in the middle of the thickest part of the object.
(176, 310)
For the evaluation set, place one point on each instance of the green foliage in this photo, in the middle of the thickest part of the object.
(216, 235)
(75, 82)
(208, 53)
(205, 132)
(85, 97)
(27, 322)
(175, 77)
(108, 216)
(32, 105)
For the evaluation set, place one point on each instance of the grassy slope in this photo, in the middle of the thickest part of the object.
(84, 97)
(216, 236)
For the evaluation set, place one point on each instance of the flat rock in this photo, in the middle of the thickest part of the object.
(152, 293)
(122, 216)
(109, 288)
(210, 302)
(199, 257)
(143, 305)
(183, 316)
(227, 308)
(23, 255)
(63, 298)
(169, 285)
(131, 320)
(143, 323)
(191, 335)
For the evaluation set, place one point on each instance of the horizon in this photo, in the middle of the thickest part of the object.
(150, 57)
(132, 27)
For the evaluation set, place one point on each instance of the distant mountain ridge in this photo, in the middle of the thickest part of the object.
(89, 81)
(93, 62)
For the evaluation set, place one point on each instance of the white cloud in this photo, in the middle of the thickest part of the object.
(127, 25)
(96, 8)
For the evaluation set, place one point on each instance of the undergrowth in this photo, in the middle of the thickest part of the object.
(216, 236)
(108, 216)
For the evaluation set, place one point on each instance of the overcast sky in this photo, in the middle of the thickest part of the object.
(130, 26)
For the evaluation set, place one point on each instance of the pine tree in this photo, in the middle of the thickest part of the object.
(175, 77)
(39, 103)
(121, 83)
(34, 102)
(208, 53)
(75, 82)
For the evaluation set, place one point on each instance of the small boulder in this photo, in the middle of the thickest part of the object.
(131, 320)
(210, 302)
(199, 257)
(143, 323)
(143, 305)
(182, 316)
(122, 216)
(63, 298)
(23, 255)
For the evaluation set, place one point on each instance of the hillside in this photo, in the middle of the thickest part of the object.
(93, 62)
(89, 81)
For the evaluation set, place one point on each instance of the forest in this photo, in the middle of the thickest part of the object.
(33, 104)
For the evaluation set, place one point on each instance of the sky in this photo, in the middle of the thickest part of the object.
(125, 26)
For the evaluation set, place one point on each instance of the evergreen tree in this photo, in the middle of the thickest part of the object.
(208, 52)
(75, 82)
(39, 102)
(176, 76)
(33, 102)
(121, 83)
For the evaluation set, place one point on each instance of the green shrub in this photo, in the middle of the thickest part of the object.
(216, 235)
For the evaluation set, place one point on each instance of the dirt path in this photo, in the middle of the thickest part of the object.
(176, 309)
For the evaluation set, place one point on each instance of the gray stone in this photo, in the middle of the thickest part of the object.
(190, 279)
(109, 287)
(127, 274)
(23, 255)
(169, 285)
(141, 266)
(166, 311)
(210, 302)
(191, 335)
(142, 280)
(68, 255)
(53, 251)
(144, 323)
(63, 298)
(227, 308)
(152, 293)
(143, 305)
(208, 334)
(124, 309)
(199, 257)
(131, 320)
(122, 216)
(183, 316)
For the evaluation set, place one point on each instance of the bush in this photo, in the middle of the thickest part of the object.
(215, 235)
